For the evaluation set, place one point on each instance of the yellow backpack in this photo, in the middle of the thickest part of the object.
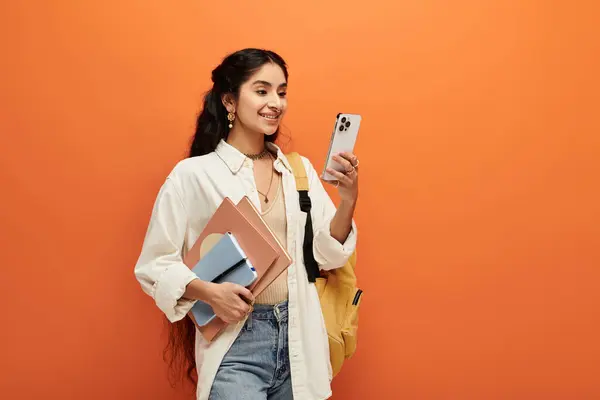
(338, 294)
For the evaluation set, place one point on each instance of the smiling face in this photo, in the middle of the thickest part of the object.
(262, 101)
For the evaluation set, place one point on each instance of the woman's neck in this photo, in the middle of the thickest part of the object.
(246, 142)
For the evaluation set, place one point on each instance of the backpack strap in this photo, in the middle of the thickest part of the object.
(312, 268)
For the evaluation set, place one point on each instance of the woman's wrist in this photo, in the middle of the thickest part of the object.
(198, 289)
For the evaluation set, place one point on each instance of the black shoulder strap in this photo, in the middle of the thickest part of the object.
(312, 268)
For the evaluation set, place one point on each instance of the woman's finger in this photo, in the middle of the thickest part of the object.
(341, 178)
(343, 162)
(352, 159)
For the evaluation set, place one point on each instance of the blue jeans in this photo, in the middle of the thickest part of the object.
(257, 366)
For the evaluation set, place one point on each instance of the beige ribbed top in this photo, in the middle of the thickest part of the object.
(274, 217)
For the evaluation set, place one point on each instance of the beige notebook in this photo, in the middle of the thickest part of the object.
(256, 245)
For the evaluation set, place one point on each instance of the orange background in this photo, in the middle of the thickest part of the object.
(480, 203)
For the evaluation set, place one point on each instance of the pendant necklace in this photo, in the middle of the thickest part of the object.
(270, 183)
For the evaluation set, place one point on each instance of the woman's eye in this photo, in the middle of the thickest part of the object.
(261, 92)
(282, 94)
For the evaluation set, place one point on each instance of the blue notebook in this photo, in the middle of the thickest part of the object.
(225, 262)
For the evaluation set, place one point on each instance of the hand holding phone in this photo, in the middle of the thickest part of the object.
(343, 139)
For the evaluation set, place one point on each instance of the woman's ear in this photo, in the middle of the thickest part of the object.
(229, 102)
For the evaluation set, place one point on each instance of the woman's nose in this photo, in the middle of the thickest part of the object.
(275, 102)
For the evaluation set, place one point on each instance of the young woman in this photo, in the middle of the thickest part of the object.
(278, 349)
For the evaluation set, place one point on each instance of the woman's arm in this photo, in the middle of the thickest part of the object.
(347, 185)
(198, 290)
(160, 269)
(334, 230)
(163, 275)
(341, 223)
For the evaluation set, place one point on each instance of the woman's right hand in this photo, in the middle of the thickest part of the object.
(226, 302)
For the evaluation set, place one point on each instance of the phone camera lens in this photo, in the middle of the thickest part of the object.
(341, 127)
(343, 119)
(348, 124)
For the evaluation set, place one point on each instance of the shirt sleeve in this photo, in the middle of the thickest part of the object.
(160, 269)
(328, 251)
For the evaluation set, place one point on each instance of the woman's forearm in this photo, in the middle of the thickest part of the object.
(341, 224)
(198, 290)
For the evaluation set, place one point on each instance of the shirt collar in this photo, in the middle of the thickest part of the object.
(234, 159)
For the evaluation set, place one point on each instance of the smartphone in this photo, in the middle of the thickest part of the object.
(342, 140)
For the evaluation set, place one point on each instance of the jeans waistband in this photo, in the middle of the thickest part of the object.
(277, 312)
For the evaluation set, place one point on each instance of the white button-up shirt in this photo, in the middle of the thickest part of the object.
(190, 195)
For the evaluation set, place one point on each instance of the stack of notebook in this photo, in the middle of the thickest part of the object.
(235, 246)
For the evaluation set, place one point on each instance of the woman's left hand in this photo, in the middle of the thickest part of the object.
(347, 183)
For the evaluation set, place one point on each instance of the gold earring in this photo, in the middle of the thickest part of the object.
(230, 117)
